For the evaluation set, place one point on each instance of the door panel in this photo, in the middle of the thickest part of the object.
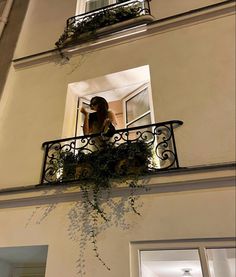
(136, 108)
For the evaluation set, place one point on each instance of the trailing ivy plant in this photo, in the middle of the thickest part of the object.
(95, 173)
(96, 210)
(97, 170)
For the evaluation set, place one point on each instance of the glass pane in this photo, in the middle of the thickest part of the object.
(137, 105)
(23, 261)
(222, 262)
(170, 263)
(120, 1)
(95, 4)
(142, 121)
(80, 117)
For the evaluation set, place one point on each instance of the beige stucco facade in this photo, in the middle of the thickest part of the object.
(191, 58)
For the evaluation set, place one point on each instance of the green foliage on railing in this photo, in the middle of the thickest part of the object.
(130, 158)
(86, 27)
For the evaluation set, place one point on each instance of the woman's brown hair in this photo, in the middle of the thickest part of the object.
(102, 108)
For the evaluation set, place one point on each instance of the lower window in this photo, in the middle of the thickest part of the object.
(168, 263)
(221, 261)
(23, 261)
(177, 258)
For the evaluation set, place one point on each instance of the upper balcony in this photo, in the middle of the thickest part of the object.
(106, 20)
(128, 152)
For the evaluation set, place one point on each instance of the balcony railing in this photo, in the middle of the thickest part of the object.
(133, 151)
(89, 25)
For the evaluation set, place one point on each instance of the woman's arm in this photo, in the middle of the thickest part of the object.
(111, 119)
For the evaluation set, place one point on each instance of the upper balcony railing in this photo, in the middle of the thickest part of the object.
(133, 151)
(93, 24)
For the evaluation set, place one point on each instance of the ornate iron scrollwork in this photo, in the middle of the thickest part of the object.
(137, 150)
(85, 26)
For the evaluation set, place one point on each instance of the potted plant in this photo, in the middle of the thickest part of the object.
(132, 158)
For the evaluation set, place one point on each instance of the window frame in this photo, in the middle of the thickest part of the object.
(76, 90)
(30, 270)
(132, 95)
(182, 244)
(81, 5)
(81, 102)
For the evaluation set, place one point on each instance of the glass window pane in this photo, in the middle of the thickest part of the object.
(170, 263)
(142, 121)
(95, 4)
(23, 261)
(221, 262)
(137, 105)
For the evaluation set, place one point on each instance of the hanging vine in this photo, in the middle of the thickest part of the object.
(97, 210)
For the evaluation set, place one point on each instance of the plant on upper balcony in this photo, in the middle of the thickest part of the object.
(87, 27)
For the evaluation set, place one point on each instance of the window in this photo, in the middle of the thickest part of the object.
(22, 261)
(137, 108)
(196, 258)
(131, 107)
(92, 5)
(170, 263)
(84, 6)
(221, 262)
(123, 90)
(82, 102)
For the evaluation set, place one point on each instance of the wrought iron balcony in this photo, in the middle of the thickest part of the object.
(133, 151)
(93, 24)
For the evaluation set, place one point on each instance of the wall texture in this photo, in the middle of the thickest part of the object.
(192, 80)
(10, 36)
(191, 63)
(171, 215)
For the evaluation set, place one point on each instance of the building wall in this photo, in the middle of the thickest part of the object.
(9, 35)
(43, 25)
(192, 80)
(172, 215)
(162, 9)
(50, 19)
(2, 4)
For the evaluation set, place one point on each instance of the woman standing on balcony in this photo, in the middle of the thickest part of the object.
(101, 121)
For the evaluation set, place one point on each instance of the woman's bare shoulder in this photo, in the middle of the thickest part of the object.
(112, 117)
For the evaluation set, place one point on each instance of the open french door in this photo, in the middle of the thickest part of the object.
(137, 108)
(82, 102)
